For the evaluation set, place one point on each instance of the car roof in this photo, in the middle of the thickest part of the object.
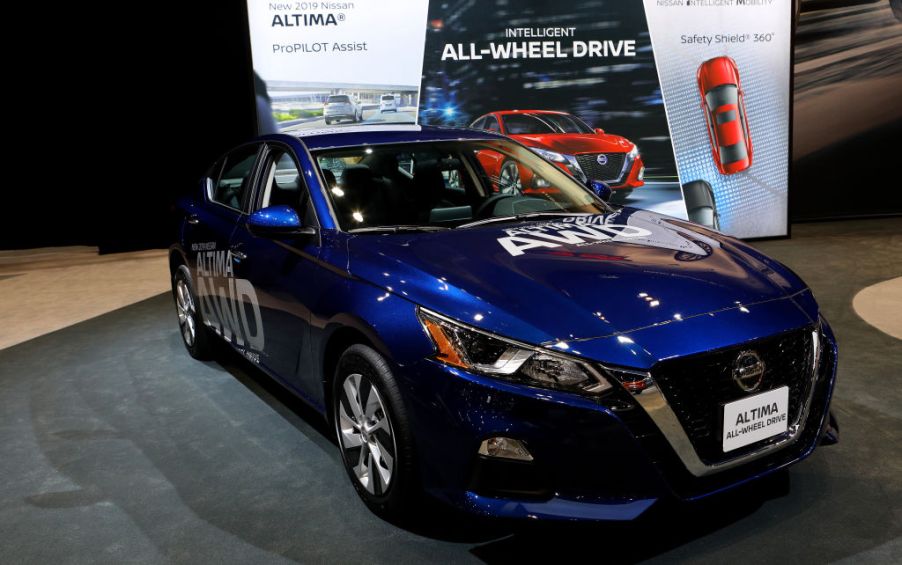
(349, 136)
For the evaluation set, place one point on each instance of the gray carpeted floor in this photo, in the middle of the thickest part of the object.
(116, 446)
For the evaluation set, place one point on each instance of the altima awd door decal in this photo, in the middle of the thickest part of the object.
(223, 298)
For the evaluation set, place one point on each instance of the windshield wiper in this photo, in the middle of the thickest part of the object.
(516, 218)
(398, 229)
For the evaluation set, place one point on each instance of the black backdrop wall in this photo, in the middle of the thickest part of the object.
(127, 108)
(122, 115)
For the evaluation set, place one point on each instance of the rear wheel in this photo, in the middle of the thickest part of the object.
(373, 432)
(328, 122)
(195, 335)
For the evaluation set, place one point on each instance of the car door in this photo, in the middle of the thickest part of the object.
(279, 270)
(208, 230)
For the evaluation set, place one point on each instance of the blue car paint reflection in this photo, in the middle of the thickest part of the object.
(633, 290)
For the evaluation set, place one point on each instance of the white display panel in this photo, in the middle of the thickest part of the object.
(757, 36)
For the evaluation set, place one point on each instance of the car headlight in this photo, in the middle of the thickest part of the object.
(634, 152)
(479, 352)
(568, 160)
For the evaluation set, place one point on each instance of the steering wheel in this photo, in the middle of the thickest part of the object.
(489, 204)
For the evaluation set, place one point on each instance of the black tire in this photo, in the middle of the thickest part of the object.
(202, 346)
(328, 122)
(397, 499)
(896, 5)
(620, 196)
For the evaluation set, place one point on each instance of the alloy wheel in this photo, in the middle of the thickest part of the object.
(185, 306)
(365, 434)
(510, 177)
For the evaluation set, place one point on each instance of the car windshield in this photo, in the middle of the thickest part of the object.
(565, 123)
(721, 96)
(541, 124)
(339, 99)
(435, 185)
(526, 124)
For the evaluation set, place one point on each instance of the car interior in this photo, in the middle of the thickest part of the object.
(388, 186)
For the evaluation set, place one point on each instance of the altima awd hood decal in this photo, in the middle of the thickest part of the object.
(623, 227)
(557, 234)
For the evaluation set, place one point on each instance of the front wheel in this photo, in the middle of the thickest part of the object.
(509, 178)
(195, 335)
(373, 432)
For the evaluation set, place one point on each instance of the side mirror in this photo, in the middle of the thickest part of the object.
(600, 189)
(277, 220)
(599, 131)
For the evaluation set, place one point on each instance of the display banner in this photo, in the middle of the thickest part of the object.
(579, 83)
(659, 99)
(725, 72)
(325, 63)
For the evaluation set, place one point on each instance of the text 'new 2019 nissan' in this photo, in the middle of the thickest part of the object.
(514, 351)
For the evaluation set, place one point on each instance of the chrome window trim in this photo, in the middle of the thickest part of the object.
(655, 404)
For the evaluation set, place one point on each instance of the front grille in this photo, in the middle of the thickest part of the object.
(609, 172)
(698, 386)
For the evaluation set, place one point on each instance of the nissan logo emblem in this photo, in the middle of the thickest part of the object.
(748, 371)
(602, 159)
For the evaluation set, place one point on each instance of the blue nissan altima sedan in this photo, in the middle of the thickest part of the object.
(515, 348)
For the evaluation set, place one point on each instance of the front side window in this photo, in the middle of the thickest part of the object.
(233, 184)
(285, 186)
(446, 184)
(491, 124)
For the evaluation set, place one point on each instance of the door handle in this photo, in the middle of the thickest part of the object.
(238, 255)
(193, 219)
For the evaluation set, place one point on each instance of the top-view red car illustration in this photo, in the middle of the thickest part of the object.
(724, 106)
(567, 141)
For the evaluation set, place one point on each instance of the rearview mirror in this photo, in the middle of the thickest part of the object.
(599, 131)
(600, 189)
(277, 220)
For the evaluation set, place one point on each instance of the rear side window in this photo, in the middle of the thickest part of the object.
(232, 187)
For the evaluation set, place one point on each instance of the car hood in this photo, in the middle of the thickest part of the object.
(717, 71)
(573, 277)
(574, 143)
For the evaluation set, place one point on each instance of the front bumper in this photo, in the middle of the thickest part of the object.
(593, 459)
